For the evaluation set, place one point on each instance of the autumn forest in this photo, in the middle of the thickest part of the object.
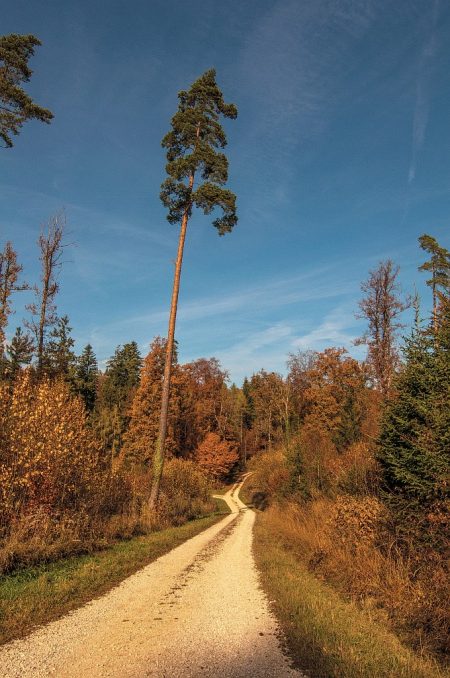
(348, 458)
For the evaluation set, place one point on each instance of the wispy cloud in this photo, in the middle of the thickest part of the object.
(269, 348)
(301, 61)
(319, 283)
(266, 348)
(291, 68)
(247, 328)
(336, 329)
(421, 108)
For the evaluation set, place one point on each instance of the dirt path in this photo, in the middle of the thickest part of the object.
(197, 611)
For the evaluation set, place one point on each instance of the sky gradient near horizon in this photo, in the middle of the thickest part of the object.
(339, 158)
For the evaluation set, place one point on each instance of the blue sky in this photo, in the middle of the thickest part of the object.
(339, 158)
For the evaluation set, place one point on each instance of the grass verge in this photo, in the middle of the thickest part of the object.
(246, 495)
(221, 505)
(223, 489)
(40, 594)
(327, 636)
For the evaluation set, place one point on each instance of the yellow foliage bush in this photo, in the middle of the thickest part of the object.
(59, 495)
(270, 478)
(49, 458)
(356, 470)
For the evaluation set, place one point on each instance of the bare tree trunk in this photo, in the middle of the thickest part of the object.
(43, 313)
(158, 459)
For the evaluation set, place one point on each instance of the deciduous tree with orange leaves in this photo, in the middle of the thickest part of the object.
(145, 409)
(216, 456)
(336, 396)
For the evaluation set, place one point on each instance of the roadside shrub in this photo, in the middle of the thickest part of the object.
(318, 453)
(270, 478)
(185, 492)
(357, 522)
(357, 471)
(49, 459)
(345, 542)
(60, 495)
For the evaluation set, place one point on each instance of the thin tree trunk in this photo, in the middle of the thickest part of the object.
(3, 302)
(40, 348)
(158, 459)
(435, 315)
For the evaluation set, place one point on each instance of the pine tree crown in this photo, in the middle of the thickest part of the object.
(438, 264)
(192, 149)
(17, 106)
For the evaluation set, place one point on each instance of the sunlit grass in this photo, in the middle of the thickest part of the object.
(327, 635)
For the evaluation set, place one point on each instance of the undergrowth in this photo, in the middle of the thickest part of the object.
(347, 541)
(327, 636)
(39, 535)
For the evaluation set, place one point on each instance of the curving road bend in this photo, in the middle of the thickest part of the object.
(197, 611)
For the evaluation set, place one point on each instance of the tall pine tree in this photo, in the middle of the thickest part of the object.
(192, 154)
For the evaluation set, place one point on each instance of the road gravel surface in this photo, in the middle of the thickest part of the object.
(197, 611)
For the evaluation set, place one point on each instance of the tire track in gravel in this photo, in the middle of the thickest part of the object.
(196, 611)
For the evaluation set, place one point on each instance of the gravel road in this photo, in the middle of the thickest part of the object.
(197, 611)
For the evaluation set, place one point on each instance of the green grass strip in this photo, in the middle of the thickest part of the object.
(327, 636)
(40, 594)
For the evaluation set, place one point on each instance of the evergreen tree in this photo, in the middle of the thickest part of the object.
(59, 358)
(192, 153)
(16, 106)
(86, 375)
(439, 267)
(414, 443)
(440, 413)
(145, 408)
(116, 389)
(249, 406)
(122, 376)
(348, 429)
(20, 351)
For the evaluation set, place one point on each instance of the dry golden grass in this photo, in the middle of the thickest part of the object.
(345, 537)
(327, 636)
(341, 541)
